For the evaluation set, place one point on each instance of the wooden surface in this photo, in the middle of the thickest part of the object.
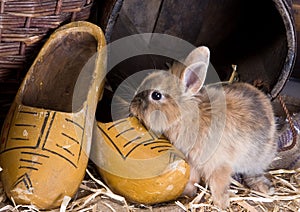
(296, 12)
(237, 32)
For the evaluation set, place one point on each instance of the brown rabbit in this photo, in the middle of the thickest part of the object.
(222, 130)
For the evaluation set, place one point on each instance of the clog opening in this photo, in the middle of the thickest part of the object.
(58, 70)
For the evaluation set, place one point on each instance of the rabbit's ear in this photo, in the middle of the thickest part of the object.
(200, 54)
(197, 62)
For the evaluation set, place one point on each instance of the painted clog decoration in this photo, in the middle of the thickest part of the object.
(138, 164)
(46, 137)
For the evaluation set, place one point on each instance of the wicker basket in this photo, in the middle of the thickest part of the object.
(24, 25)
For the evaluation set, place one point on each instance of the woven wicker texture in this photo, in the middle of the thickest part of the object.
(24, 25)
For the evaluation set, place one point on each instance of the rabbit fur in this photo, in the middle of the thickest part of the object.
(221, 129)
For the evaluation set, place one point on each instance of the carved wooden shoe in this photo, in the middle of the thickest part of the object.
(138, 164)
(45, 140)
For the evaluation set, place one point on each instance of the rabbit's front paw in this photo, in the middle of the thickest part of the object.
(221, 200)
(190, 189)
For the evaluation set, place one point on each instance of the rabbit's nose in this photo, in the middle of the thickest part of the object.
(142, 95)
(135, 104)
(138, 99)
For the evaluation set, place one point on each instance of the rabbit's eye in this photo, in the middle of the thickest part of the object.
(156, 95)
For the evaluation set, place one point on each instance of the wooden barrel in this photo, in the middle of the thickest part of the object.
(258, 36)
(296, 12)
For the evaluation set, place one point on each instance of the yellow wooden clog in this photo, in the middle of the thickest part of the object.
(46, 137)
(138, 164)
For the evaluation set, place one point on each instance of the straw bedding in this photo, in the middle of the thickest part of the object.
(93, 195)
